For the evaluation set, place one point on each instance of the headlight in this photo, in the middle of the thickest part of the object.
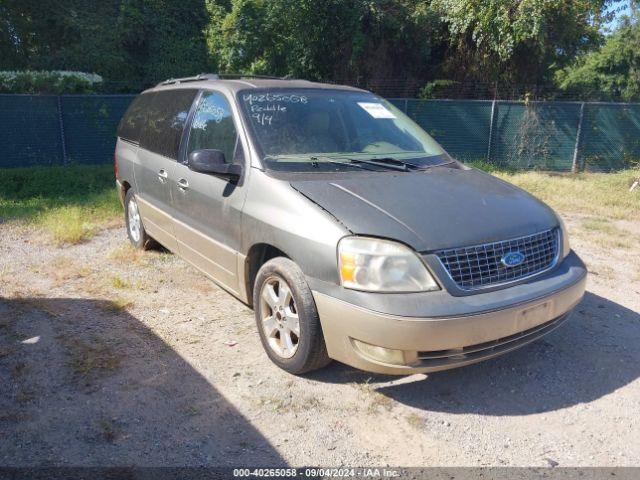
(376, 265)
(566, 246)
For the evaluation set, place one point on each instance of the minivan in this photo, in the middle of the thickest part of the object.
(350, 232)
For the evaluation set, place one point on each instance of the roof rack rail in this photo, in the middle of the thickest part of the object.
(249, 75)
(218, 76)
(197, 78)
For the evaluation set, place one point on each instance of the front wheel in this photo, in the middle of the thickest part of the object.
(287, 318)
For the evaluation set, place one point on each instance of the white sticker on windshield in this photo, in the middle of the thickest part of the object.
(377, 110)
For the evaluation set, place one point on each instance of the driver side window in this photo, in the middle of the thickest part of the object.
(212, 126)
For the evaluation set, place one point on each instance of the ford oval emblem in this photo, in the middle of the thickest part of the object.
(512, 259)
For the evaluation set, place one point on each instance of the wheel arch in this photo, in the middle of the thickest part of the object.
(258, 255)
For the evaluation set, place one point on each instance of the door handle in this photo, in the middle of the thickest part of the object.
(162, 175)
(183, 184)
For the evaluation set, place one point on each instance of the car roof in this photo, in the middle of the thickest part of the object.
(243, 83)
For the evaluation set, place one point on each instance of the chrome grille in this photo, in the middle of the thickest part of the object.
(481, 265)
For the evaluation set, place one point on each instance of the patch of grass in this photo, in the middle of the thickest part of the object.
(119, 283)
(608, 242)
(380, 401)
(488, 167)
(604, 195)
(61, 269)
(109, 431)
(598, 225)
(606, 234)
(19, 369)
(68, 225)
(376, 399)
(192, 410)
(25, 396)
(287, 404)
(115, 305)
(14, 417)
(71, 203)
(415, 420)
(129, 255)
(91, 359)
(30, 302)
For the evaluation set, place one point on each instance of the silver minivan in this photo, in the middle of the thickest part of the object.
(352, 234)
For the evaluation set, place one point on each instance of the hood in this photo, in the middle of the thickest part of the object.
(430, 210)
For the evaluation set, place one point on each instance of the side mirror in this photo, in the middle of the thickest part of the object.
(213, 162)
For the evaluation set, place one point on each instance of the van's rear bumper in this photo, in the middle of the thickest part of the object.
(438, 343)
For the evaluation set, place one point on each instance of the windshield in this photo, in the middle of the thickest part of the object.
(307, 129)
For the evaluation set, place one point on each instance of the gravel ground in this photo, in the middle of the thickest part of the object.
(113, 357)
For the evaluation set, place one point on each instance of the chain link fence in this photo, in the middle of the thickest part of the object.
(545, 135)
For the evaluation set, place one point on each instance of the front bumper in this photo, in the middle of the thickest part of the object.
(442, 341)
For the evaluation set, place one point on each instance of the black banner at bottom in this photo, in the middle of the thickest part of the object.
(431, 473)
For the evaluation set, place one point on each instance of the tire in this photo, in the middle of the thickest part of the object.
(137, 235)
(275, 314)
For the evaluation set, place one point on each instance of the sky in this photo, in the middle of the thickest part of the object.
(622, 8)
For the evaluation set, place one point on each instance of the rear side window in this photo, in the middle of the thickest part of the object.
(131, 123)
(165, 120)
(212, 126)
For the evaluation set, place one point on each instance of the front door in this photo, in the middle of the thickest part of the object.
(155, 166)
(207, 207)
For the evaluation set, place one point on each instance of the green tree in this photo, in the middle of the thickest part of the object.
(135, 43)
(613, 72)
(342, 40)
(131, 43)
(522, 41)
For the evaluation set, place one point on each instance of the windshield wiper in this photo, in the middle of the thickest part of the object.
(348, 162)
(390, 163)
(395, 161)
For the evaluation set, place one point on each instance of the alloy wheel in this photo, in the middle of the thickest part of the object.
(279, 315)
(134, 220)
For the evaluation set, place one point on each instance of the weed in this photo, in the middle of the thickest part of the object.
(287, 404)
(603, 232)
(129, 255)
(24, 396)
(116, 305)
(109, 431)
(62, 269)
(118, 282)
(91, 359)
(415, 420)
(19, 369)
(192, 410)
(598, 225)
(376, 399)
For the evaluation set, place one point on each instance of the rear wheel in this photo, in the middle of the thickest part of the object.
(135, 229)
(287, 318)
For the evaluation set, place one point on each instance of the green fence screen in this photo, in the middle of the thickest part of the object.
(59, 130)
(561, 136)
(558, 136)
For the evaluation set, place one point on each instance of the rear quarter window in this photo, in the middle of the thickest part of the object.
(133, 119)
(165, 121)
